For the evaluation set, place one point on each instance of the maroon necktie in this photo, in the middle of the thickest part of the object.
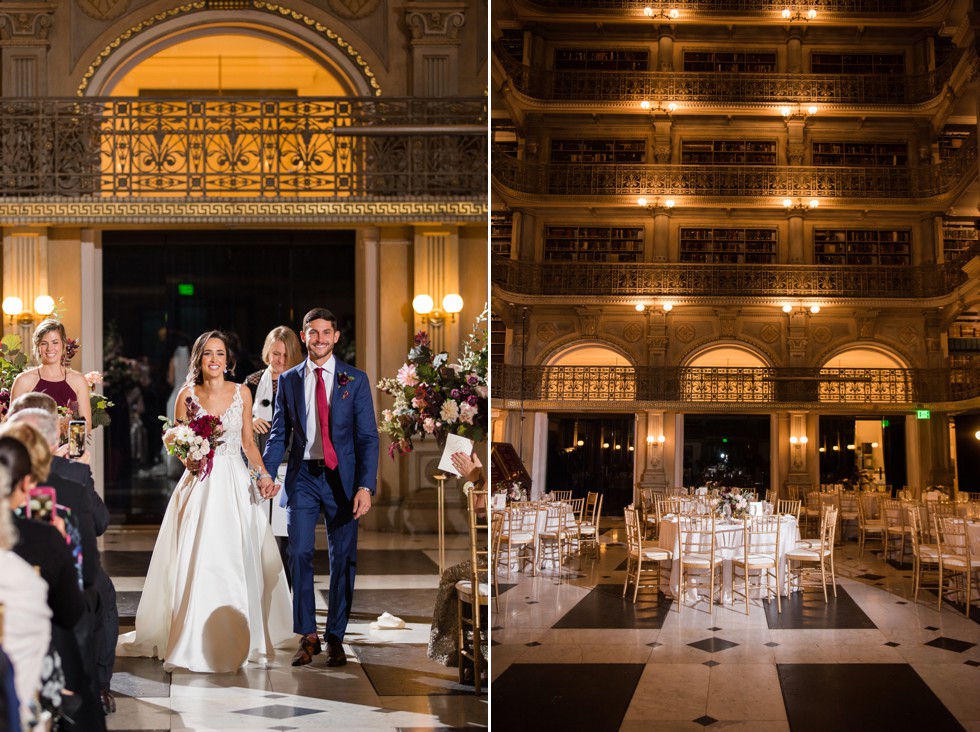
(323, 414)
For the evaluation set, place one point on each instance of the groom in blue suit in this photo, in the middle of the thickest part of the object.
(326, 407)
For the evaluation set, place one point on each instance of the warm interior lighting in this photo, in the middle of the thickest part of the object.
(422, 304)
(580, 443)
(44, 305)
(452, 303)
(605, 445)
(640, 307)
(836, 448)
(822, 449)
(811, 110)
(650, 439)
(13, 306)
(814, 309)
(787, 308)
(787, 202)
(669, 203)
(874, 444)
(977, 434)
(668, 306)
(793, 440)
(850, 447)
(785, 111)
(804, 439)
(641, 202)
(661, 439)
(645, 104)
(813, 203)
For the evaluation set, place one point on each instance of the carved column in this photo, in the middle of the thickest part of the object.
(654, 475)
(799, 441)
(435, 45)
(794, 51)
(25, 272)
(24, 30)
(665, 49)
(436, 265)
(661, 235)
(795, 218)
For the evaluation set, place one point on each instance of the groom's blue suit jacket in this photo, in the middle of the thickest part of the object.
(353, 427)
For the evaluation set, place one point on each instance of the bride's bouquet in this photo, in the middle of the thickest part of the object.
(194, 437)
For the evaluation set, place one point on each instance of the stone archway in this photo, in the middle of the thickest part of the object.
(725, 373)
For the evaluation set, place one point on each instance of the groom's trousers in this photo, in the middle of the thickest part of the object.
(318, 490)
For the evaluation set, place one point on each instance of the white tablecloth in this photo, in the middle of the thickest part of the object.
(728, 543)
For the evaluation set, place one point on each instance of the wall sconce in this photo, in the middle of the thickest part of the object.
(424, 306)
(13, 307)
(794, 440)
(813, 309)
(659, 440)
(800, 111)
(667, 108)
(656, 206)
(672, 13)
(800, 204)
(790, 15)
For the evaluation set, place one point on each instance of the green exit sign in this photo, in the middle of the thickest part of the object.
(922, 414)
(885, 423)
(186, 289)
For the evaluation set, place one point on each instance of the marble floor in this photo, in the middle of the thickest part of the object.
(569, 653)
(387, 684)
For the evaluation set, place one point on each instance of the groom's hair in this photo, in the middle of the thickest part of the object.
(320, 314)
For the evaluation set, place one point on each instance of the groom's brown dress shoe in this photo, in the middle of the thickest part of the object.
(309, 646)
(335, 653)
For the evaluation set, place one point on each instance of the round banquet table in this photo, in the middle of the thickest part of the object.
(729, 538)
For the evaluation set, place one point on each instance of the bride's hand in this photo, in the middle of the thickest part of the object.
(191, 465)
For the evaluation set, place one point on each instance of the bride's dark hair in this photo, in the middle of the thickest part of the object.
(194, 372)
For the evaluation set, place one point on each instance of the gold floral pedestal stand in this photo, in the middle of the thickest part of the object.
(440, 497)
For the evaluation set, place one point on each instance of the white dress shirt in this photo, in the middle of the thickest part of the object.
(314, 443)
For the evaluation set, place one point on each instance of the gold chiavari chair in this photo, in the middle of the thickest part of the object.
(640, 553)
(925, 555)
(870, 527)
(561, 495)
(698, 556)
(675, 491)
(496, 531)
(474, 593)
(806, 564)
(789, 507)
(647, 511)
(554, 539)
(811, 512)
(896, 526)
(588, 529)
(667, 506)
(517, 537)
(760, 557)
(956, 561)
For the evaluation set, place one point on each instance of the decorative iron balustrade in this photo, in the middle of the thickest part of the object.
(735, 180)
(726, 7)
(691, 387)
(721, 88)
(311, 147)
(597, 279)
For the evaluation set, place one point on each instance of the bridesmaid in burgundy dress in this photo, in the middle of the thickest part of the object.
(52, 376)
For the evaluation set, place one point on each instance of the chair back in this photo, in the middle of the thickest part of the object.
(676, 491)
(789, 507)
(863, 504)
(561, 495)
(478, 518)
(593, 509)
(577, 505)
(919, 536)
(633, 540)
(669, 505)
(761, 536)
(828, 529)
(954, 543)
(697, 537)
(894, 514)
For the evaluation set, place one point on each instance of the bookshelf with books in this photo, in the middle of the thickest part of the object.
(501, 233)
(601, 59)
(959, 239)
(728, 246)
(593, 244)
(598, 151)
(857, 63)
(730, 61)
(728, 152)
(862, 246)
(860, 153)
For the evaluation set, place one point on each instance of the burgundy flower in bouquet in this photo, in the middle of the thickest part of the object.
(194, 437)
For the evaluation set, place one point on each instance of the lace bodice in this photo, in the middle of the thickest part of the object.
(231, 421)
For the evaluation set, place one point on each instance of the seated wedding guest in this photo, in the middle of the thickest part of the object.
(43, 545)
(443, 635)
(27, 617)
(280, 352)
(92, 518)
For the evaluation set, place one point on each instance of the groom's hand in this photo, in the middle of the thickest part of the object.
(265, 485)
(362, 502)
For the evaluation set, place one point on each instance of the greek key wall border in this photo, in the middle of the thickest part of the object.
(197, 213)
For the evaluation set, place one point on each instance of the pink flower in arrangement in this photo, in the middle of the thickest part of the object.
(429, 425)
(93, 378)
(407, 376)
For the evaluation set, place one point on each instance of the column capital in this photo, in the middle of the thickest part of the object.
(435, 22)
(25, 24)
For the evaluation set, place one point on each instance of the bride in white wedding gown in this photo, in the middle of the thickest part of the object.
(215, 595)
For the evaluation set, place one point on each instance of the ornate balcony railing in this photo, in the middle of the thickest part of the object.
(593, 279)
(735, 180)
(726, 7)
(750, 388)
(310, 147)
(723, 88)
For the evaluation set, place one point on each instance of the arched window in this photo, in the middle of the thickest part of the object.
(589, 372)
(865, 374)
(726, 374)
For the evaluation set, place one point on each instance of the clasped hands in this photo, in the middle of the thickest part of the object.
(267, 487)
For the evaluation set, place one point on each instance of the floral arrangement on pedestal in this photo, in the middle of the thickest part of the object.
(434, 397)
(514, 490)
(731, 503)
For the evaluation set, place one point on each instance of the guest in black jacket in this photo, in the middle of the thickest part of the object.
(75, 479)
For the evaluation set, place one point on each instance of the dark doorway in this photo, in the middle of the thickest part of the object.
(967, 452)
(592, 452)
(162, 289)
(727, 450)
(839, 456)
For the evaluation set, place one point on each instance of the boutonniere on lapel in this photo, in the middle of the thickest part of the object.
(343, 379)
